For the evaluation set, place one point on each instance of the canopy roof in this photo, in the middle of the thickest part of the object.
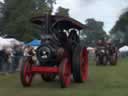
(55, 21)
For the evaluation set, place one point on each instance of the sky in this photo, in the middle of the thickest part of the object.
(2, 0)
(107, 11)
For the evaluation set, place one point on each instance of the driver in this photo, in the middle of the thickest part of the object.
(67, 41)
(100, 43)
(62, 36)
(73, 36)
(110, 46)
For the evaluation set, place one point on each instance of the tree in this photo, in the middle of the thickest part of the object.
(62, 11)
(17, 15)
(44, 7)
(1, 15)
(94, 32)
(120, 30)
(40, 7)
(51, 3)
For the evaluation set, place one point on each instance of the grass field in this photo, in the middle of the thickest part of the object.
(103, 81)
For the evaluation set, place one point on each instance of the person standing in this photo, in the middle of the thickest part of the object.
(4, 61)
(17, 56)
(10, 60)
(1, 59)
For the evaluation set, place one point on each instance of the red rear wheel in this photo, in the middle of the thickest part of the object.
(26, 74)
(65, 73)
(84, 64)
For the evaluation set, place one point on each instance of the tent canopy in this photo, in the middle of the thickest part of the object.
(123, 49)
(90, 48)
(8, 42)
(34, 43)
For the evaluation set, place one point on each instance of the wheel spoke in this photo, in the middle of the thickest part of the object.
(65, 73)
(27, 74)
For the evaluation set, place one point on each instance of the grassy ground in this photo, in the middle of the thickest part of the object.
(103, 81)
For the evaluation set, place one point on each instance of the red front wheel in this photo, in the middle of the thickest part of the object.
(26, 74)
(65, 73)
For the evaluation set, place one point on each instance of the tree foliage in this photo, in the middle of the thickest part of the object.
(119, 32)
(17, 15)
(1, 15)
(62, 11)
(94, 32)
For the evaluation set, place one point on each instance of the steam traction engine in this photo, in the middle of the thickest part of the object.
(58, 54)
(106, 54)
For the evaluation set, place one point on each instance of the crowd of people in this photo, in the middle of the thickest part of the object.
(11, 58)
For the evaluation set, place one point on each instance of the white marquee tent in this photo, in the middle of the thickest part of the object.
(90, 48)
(124, 49)
(10, 42)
